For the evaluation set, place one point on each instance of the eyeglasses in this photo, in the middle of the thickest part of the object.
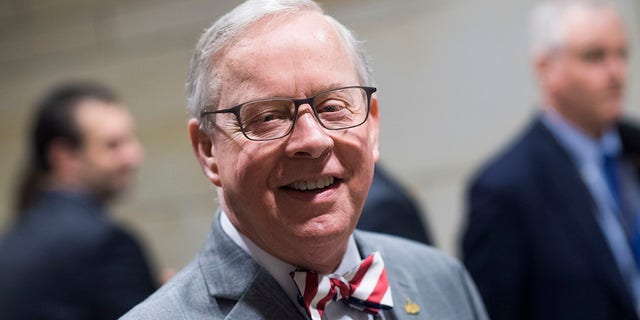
(274, 118)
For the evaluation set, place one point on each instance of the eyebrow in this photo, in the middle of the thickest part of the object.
(327, 87)
(316, 90)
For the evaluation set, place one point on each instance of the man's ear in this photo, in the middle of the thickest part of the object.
(204, 151)
(374, 126)
(64, 161)
(543, 66)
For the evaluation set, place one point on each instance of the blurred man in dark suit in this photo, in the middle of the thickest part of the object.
(553, 228)
(390, 209)
(63, 258)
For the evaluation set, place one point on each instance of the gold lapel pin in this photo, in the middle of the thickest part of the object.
(411, 308)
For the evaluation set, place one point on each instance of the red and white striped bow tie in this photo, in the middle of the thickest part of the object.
(365, 288)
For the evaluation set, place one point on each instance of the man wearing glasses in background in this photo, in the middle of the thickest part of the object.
(285, 125)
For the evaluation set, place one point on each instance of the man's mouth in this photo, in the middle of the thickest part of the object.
(310, 185)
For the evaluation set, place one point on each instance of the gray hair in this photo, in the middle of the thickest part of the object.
(203, 82)
(548, 22)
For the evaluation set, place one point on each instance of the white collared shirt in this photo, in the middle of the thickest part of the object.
(280, 270)
(587, 154)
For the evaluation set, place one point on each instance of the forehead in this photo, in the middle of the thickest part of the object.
(100, 120)
(593, 26)
(292, 53)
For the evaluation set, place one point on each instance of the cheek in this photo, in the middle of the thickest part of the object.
(102, 160)
(358, 157)
(590, 78)
(593, 83)
(245, 169)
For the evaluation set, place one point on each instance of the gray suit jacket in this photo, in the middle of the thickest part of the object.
(223, 282)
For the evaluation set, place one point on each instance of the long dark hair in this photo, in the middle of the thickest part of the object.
(54, 119)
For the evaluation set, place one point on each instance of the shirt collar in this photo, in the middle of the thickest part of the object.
(279, 269)
(582, 148)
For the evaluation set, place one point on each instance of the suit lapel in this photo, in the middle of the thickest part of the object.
(402, 292)
(264, 299)
(401, 284)
(232, 275)
(576, 209)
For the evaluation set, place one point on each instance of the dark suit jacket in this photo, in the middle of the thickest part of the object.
(630, 136)
(532, 242)
(223, 282)
(65, 260)
(389, 209)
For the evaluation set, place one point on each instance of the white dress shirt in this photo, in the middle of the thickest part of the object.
(280, 270)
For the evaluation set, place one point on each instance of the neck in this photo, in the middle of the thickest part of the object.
(319, 255)
(591, 129)
(54, 184)
(325, 259)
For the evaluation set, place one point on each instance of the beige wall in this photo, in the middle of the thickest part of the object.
(453, 81)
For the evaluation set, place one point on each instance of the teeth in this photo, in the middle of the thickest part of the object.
(312, 184)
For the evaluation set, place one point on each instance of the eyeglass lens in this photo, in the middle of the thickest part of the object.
(274, 118)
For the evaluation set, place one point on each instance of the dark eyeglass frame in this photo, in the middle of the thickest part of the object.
(297, 103)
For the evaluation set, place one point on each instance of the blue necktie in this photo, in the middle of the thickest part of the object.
(628, 219)
(610, 169)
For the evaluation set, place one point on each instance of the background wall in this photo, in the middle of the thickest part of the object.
(453, 78)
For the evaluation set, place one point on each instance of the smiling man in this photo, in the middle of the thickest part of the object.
(285, 125)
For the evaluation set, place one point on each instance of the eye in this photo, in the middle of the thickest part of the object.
(113, 144)
(593, 55)
(263, 118)
(623, 53)
(267, 117)
(332, 106)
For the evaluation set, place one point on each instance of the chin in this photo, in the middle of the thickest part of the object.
(326, 229)
(612, 119)
(114, 193)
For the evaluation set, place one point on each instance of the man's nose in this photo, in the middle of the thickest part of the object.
(132, 153)
(308, 138)
(617, 67)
